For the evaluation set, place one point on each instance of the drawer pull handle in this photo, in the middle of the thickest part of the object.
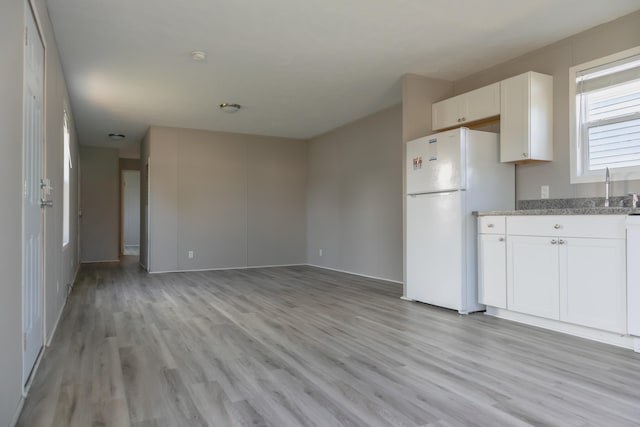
(490, 225)
(554, 241)
(557, 226)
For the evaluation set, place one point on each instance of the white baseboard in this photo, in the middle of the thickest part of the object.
(356, 274)
(276, 265)
(611, 338)
(55, 326)
(225, 268)
(16, 416)
(99, 261)
(405, 298)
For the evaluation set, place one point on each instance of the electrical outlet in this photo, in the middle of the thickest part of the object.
(544, 191)
(320, 252)
(190, 254)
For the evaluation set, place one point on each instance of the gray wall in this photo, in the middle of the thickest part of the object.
(615, 36)
(61, 263)
(354, 198)
(12, 24)
(131, 207)
(100, 201)
(235, 200)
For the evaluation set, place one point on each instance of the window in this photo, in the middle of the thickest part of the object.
(605, 105)
(66, 202)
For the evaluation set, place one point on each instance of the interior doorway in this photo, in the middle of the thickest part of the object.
(130, 202)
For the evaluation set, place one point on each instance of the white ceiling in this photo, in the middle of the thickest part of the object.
(299, 68)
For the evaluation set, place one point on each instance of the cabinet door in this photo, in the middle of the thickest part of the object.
(492, 270)
(514, 119)
(481, 103)
(593, 283)
(446, 114)
(532, 276)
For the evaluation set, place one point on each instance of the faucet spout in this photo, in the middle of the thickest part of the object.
(607, 182)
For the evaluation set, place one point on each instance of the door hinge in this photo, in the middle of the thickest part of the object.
(24, 341)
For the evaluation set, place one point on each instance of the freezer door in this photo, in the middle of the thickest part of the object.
(434, 249)
(434, 163)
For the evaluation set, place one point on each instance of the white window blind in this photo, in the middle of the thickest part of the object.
(608, 103)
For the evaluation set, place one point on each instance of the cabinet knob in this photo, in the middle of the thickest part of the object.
(490, 225)
(557, 226)
(561, 242)
(501, 239)
(554, 241)
(525, 155)
(464, 119)
(459, 120)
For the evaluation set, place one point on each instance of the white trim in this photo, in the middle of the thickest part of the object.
(357, 274)
(621, 174)
(277, 265)
(225, 268)
(612, 338)
(34, 370)
(404, 298)
(16, 416)
(55, 325)
(100, 261)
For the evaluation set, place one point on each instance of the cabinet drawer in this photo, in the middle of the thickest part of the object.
(596, 226)
(492, 224)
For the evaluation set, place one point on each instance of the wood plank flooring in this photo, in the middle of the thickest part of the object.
(301, 346)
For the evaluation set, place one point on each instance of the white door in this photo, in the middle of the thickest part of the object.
(32, 193)
(434, 249)
(533, 278)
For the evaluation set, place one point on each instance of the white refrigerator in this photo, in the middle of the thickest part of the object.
(448, 176)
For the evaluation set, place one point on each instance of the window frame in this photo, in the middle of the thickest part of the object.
(578, 155)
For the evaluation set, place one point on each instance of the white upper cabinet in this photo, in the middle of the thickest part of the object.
(526, 118)
(469, 107)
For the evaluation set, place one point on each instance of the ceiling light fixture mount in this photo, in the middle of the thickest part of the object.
(117, 136)
(198, 55)
(229, 107)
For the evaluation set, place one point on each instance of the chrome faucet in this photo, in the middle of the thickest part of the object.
(607, 182)
(634, 200)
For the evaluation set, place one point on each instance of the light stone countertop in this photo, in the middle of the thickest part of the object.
(565, 211)
(619, 205)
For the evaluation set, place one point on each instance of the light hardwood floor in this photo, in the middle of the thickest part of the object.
(300, 346)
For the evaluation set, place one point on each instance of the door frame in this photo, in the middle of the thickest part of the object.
(123, 170)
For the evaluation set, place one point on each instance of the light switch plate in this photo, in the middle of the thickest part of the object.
(544, 191)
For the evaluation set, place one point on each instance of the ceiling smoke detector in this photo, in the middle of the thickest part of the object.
(117, 136)
(198, 55)
(228, 107)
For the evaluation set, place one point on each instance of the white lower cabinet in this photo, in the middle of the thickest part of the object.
(569, 268)
(492, 250)
(492, 279)
(593, 283)
(533, 283)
